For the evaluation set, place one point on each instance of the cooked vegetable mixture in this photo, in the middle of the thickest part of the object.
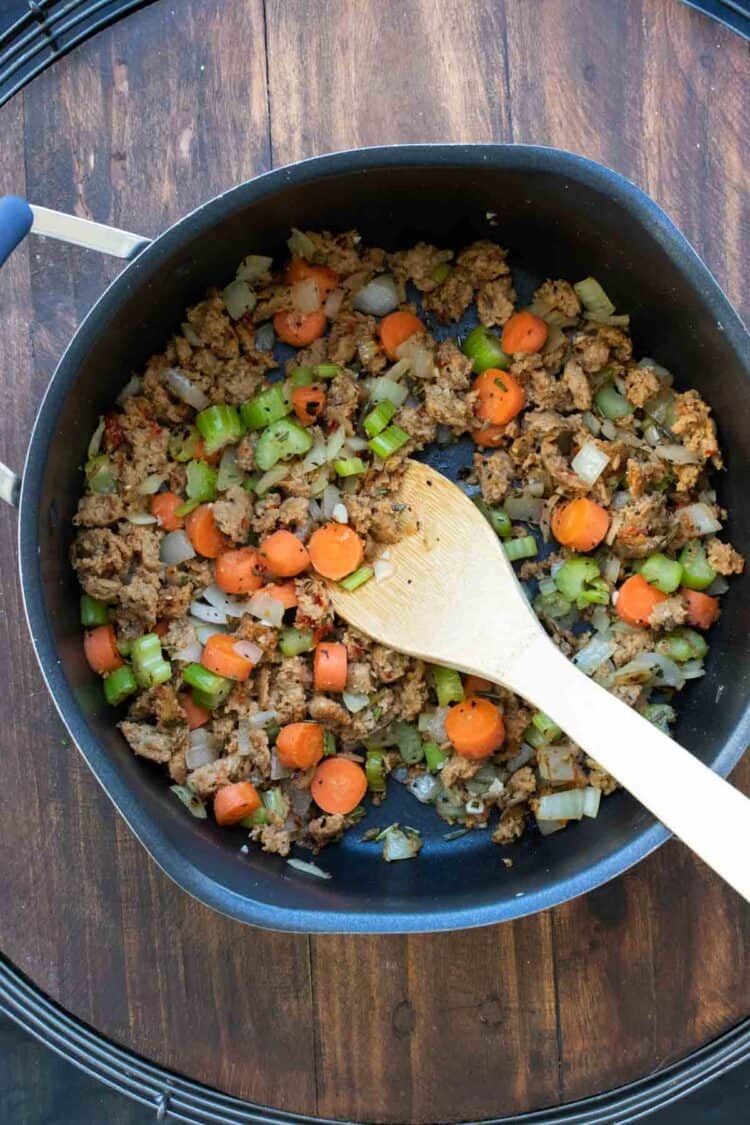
(259, 458)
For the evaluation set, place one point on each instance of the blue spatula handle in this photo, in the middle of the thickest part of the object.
(15, 222)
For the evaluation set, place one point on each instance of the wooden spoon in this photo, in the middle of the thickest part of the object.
(453, 599)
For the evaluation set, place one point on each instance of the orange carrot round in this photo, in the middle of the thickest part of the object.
(524, 333)
(233, 803)
(299, 329)
(501, 396)
(283, 592)
(703, 609)
(163, 507)
(475, 728)
(239, 572)
(338, 785)
(335, 550)
(491, 436)
(196, 716)
(220, 656)
(325, 279)
(581, 524)
(284, 554)
(395, 329)
(203, 532)
(636, 600)
(100, 649)
(330, 666)
(300, 745)
(308, 403)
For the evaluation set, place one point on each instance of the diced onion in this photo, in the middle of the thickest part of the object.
(355, 701)
(190, 800)
(221, 601)
(185, 390)
(567, 805)
(593, 654)
(335, 444)
(397, 845)
(243, 738)
(648, 666)
(661, 372)
(526, 508)
(333, 303)
(379, 296)
(591, 801)
(388, 387)
(589, 462)
(269, 479)
(555, 763)
(547, 827)
(300, 245)
(620, 499)
(249, 650)
(205, 630)
(340, 514)
(196, 756)
(208, 613)
(433, 723)
(591, 422)
(190, 654)
(96, 439)
(253, 267)
(315, 457)
(265, 337)
(261, 719)
(382, 568)
(141, 519)
(677, 454)
(239, 299)
(278, 772)
(133, 387)
(692, 669)
(151, 484)
(611, 569)
(651, 434)
(308, 868)
(356, 444)
(330, 499)
(305, 296)
(600, 619)
(421, 363)
(718, 586)
(425, 787)
(269, 610)
(609, 429)
(524, 755)
(300, 800)
(699, 519)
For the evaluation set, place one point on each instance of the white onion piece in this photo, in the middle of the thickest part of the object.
(600, 619)
(421, 363)
(524, 755)
(305, 296)
(609, 429)
(141, 519)
(718, 586)
(547, 827)
(253, 267)
(243, 738)
(248, 650)
(221, 601)
(132, 387)
(185, 390)
(262, 718)
(525, 508)
(594, 654)
(267, 609)
(278, 772)
(424, 787)
(591, 422)
(379, 296)
(648, 666)
(355, 701)
(151, 484)
(433, 723)
(190, 654)
(661, 372)
(190, 800)
(315, 510)
(269, 479)
(397, 845)
(208, 613)
(620, 499)
(555, 763)
(96, 439)
(677, 454)
(315, 457)
(333, 303)
(444, 434)
(196, 756)
(239, 299)
(591, 801)
(692, 669)
(335, 444)
(651, 434)
(308, 868)
(265, 337)
(699, 519)
(340, 514)
(356, 444)
(203, 737)
(611, 569)
(330, 499)
(300, 245)
(204, 630)
(382, 568)
(567, 805)
(300, 800)
(589, 462)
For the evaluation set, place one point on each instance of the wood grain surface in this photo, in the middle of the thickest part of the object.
(168, 107)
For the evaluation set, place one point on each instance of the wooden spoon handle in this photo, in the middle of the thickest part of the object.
(706, 812)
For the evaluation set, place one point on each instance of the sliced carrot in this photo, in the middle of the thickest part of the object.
(703, 610)
(524, 333)
(284, 554)
(330, 666)
(474, 684)
(299, 329)
(196, 716)
(203, 532)
(581, 524)
(300, 745)
(475, 728)
(395, 329)
(220, 656)
(501, 396)
(239, 572)
(308, 403)
(283, 592)
(325, 279)
(335, 550)
(233, 803)
(636, 600)
(100, 649)
(338, 785)
(199, 453)
(163, 507)
(489, 435)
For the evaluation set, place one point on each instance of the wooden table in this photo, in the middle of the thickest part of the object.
(174, 104)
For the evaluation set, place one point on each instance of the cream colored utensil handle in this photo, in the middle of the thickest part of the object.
(706, 812)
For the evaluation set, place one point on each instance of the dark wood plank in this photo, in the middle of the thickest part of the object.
(156, 114)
